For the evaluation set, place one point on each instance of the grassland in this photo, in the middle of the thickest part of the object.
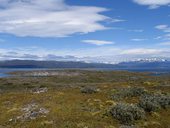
(61, 104)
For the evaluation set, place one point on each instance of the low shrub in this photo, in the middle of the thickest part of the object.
(88, 90)
(128, 92)
(164, 100)
(149, 104)
(153, 102)
(127, 113)
(137, 91)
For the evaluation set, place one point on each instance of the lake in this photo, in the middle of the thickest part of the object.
(155, 72)
(4, 71)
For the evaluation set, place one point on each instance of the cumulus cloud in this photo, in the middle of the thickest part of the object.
(153, 4)
(49, 18)
(98, 42)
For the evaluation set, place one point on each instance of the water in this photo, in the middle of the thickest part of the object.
(4, 71)
(3, 75)
(154, 72)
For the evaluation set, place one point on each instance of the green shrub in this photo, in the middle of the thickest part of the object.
(88, 90)
(153, 102)
(127, 113)
(128, 92)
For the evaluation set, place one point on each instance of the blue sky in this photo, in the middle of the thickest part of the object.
(88, 30)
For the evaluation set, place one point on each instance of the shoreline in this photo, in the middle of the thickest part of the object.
(43, 72)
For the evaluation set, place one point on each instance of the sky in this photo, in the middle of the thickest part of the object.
(84, 30)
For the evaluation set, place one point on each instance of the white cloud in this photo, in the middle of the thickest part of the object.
(153, 4)
(138, 39)
(165, 44)
(136, 30)
(49, 18)
(166, 37)
(98, 42)
(163, 27)
(142, 51)
(116, 20)
(107, 54)
(158, 37)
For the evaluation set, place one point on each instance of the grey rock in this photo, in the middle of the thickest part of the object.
(32, 111)
(39, 90)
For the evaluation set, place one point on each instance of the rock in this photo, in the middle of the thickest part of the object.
(10, 120)
(31, 112)
(39, 90)
(43, 111)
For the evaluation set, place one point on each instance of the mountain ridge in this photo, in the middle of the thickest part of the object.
(165, 65)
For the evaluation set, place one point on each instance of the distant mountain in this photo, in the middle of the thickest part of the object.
(143, 65)
(50, 64)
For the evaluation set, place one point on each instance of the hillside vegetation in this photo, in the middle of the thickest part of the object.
(85, 99)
